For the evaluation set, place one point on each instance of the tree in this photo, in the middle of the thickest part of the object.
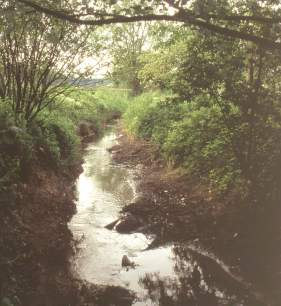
(160, 63)
(38, 55)
(126, 45)
(228, 129)
(222, 17)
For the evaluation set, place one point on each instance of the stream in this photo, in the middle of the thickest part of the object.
(171, 275)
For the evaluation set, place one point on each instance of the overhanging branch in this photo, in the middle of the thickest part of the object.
(181, 16)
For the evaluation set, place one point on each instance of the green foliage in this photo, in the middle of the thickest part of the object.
(78, 105)
(6, 114)
(15, 147)
(214, 141)
(223, 127)
(190, 135)
(115, 100)
(125, 43)
(160, 66)
(32, 75)
(136, 117)
(52, 135)
(55, 136)
(56, 128)
(201, 144)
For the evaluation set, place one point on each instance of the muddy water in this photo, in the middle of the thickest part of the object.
(171, 275)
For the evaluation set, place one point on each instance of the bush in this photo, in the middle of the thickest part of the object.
(79, 105)
(191, 135)
(212, 143)
(55, 128)
(96, 106)
(115, 100)
(56, 136)
(52, 135)
(141, 113)
(15, 147)
(202, 144)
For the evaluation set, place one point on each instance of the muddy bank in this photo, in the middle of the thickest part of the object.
(166, 275)
(36, 243)
(35, 240)
(177, 209)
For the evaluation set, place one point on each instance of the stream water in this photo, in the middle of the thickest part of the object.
(172, 275)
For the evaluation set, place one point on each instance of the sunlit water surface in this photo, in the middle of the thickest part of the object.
(172, 274)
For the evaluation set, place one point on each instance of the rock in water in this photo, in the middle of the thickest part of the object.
(111, 225)
(126, 262)
(128, 224)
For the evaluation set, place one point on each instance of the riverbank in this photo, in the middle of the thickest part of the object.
(39, 165)
(36, 243)
(175, 208)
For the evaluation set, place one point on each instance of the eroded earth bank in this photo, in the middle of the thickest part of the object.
(143, 235)
(36, 243)
(225, 252)
(165, 238)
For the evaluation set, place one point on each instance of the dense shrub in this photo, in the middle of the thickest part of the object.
(209, 143)
(191, 135)
(201, 143)
(56, 135)
(115, 100)
(141, 113)
(79, 105)
(224, 127)
(15, 147)
(52, 135)
(96, 106)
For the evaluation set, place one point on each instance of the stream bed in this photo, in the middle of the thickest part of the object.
(171, 275)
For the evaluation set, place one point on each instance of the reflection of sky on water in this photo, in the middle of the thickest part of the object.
(172, 275)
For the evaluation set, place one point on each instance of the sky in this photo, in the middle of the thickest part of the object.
(99, 67)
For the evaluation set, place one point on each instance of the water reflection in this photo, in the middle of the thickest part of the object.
(102, 190)
(112, 179)
(197, 280)
(171, 275)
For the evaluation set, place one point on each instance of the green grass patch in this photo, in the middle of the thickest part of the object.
(54, 131)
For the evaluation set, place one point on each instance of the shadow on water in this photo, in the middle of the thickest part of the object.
(171, 275)
(196, 280)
